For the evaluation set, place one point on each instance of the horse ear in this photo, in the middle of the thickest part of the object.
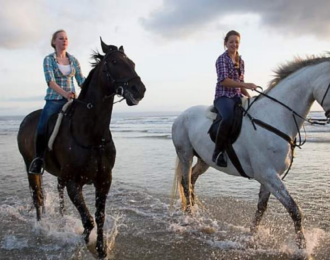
(105, 48)
(121, 48)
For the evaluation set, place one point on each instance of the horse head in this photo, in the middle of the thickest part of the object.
(120, 72)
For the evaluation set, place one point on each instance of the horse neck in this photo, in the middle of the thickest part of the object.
(297, 93)
(94, 122)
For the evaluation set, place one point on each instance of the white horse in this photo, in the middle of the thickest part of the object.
(263, 155)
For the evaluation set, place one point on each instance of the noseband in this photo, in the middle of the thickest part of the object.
(119, 84)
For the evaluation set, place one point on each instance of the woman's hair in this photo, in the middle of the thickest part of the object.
(233, 33)
(54, 37)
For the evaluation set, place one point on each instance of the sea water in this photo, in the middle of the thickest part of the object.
(138, 220)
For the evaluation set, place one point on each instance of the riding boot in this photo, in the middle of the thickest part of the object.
(37, 164)
(218, 156)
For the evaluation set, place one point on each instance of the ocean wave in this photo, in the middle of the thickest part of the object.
(156, 137)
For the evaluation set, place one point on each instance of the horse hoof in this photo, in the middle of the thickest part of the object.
(301, 241)
(86, 235)
(254, 230)
(101, 253)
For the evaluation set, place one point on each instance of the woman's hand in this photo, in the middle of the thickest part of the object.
(70, 95)
(250, 86)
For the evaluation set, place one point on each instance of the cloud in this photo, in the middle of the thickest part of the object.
(288, 17)
(20, 22)
(26, 24)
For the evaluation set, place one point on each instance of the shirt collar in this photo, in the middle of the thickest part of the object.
(67, 54)
(227, 54)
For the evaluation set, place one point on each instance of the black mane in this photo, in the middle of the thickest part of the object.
(86, 83)
(97, 57)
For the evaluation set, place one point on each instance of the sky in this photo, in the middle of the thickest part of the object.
(174, 43)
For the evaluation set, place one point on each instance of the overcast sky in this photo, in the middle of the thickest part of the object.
(174, 43)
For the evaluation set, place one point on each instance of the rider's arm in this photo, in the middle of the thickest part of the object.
(229, 83)
(245, 92)
(59, 90)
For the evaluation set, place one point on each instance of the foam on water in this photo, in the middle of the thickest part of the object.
(54, 231)
(11, 242)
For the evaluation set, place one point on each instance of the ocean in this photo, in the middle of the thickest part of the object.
(139, 224)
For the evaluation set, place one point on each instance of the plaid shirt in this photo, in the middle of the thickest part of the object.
(53, 73)
(226, 69)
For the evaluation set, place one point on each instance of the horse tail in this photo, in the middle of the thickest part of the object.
(178, 187)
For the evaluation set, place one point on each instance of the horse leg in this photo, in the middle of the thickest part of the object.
(199, 168)
(185, 154)
(101, 192)
(75, 193)
(183, 171)
(35, 182)
(60, 188)
(264, 195)
(275, 185)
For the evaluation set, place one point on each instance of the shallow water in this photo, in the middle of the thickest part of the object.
(138, 222)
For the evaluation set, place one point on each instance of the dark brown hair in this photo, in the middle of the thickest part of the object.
(54, 37)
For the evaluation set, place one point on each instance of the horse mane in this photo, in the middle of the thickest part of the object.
(284, 70)
(85, 85)
(97, 57)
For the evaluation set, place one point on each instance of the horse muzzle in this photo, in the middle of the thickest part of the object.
(133, 94)
(130, 100)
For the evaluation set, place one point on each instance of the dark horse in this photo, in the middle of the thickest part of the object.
(84, 152)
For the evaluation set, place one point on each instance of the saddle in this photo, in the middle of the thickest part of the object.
(234, 133)
(236, 127)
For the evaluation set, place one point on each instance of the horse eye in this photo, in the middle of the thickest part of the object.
(114, 62)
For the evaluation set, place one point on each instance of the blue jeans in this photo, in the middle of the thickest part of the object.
(52, 107)
(225, 107)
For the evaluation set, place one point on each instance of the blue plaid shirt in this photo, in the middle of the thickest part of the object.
(226, 69)
(53, 73)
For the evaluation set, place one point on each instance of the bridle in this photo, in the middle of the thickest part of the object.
(119, 84)
(120, 89)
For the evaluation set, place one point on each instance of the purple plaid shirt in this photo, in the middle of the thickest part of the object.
(226, 69)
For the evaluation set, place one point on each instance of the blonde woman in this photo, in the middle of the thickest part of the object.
(60, 68)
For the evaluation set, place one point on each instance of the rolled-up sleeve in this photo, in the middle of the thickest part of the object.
(79, 76)
(49, 70)
(222, 68)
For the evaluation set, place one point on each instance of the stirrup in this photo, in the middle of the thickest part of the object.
(34, 167)
(220, 160)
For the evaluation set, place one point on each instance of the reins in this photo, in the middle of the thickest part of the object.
(293, 143)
